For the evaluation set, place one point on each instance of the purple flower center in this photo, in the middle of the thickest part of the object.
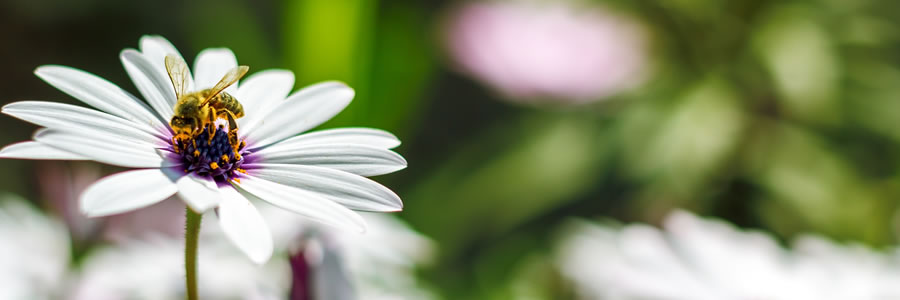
(219, 157)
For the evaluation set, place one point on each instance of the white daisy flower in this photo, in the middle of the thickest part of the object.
(696, 259)
(319, 175)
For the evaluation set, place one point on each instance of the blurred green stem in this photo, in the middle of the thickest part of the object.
(191, 231)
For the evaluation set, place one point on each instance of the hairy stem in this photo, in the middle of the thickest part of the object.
(191, 231)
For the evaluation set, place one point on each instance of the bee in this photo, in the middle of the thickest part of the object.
(198, 110)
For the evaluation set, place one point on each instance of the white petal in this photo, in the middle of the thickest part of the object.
(105, 148)
(35, 150)
(199, 193)
(98, 92)
(260, 92)
(356, 159)
(55, 115)
(152, 82)
(305, 109)
(360, 136)
(211, 65)
(302, 202)
(351, 190)
(155, 48)
(244, 226)
(127, 191)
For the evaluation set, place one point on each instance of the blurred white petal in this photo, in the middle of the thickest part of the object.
(693, 258)
(379, 264)
(35, 252)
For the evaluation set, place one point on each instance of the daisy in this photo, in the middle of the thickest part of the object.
(319, 175)
(696, 259)
(545, 52)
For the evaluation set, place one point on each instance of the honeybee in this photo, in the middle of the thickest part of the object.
(198, 110)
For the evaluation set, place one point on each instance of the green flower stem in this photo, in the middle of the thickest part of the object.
(191, 231)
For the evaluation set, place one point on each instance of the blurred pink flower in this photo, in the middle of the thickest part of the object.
(60, 185)
(533, 51)
(163, 218)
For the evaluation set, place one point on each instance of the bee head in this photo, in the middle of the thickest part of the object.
(183, 126)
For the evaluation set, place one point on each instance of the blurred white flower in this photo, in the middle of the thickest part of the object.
(153, 268)
(696, 259)
(530, 51)
(35, 261)
(149, 264)
(34, 252)
(375, 265)
(379, 264)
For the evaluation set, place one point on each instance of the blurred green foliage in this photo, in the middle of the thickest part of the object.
(779, 115)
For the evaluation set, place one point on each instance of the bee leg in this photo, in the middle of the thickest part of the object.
(232, 133)
(175, 145)
(211, 127)
(196, 130)
(232, 123)
(237, 155)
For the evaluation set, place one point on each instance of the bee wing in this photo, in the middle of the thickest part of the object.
(230, 78)
(178, 73)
